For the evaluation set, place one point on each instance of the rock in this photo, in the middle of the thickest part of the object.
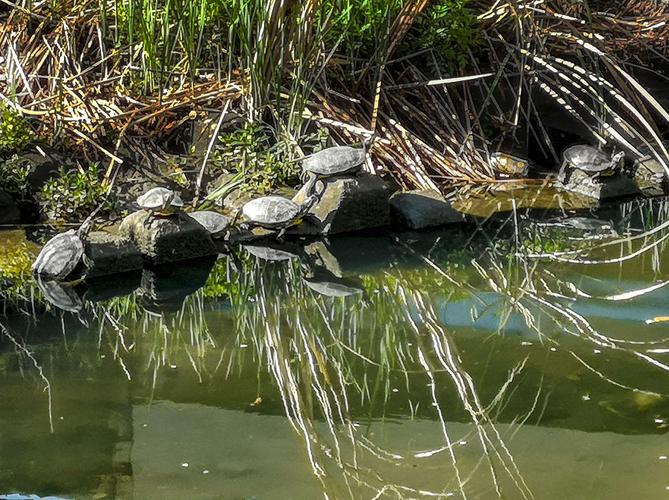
(423, 208)
(43, 167)
(167, 239)
(111, 254)
(318, 255)
(346, 204)
(600, 188)
(9, 211)
(650, 176)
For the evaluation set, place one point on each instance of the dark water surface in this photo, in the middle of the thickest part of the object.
(449, 364)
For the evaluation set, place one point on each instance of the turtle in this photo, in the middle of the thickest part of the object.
(590, 160)
(215, 223)
(276, 212)
(329, 162)
(651, 176)
(60, 255)
(161, 201)
(508, 164)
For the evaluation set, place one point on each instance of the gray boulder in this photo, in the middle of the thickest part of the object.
(600, 188)
(421, 209)
(167, 239)
(346, 204)
(111, 254)
(9, 211)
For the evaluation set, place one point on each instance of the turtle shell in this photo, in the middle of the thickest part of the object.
(213, 222)
(334, 161)
(271, 211)
(587, 158)
(509, 164)
(159, 197)
(60, 255)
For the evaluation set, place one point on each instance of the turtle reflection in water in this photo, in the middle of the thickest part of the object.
(64, 296)
(590, 160)
(266, 252)
(576, 228)
(332, 286)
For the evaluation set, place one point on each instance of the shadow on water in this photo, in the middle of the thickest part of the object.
(509, 359)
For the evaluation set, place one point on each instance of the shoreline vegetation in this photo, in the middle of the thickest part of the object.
(212, 94)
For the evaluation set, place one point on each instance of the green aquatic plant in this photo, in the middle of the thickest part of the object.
(15, 131)
(73, 195)
(16, 256)
(250, 151)
(449, 28)
(360, 25)
(218, 284)
(14, 176)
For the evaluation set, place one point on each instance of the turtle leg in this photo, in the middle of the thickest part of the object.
(564, 175)
(281, 234)
(560, 174)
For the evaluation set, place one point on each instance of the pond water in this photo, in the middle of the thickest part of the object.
(516, 358)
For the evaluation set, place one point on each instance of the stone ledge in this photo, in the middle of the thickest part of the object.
(420, 209)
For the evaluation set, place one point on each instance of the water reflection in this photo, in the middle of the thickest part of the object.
(507, 360)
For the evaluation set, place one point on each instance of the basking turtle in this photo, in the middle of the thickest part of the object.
(276, 212)
(329, 162)
(590, 160)
(215, 223)
(508, 164)
(60, 255)
(161, 201)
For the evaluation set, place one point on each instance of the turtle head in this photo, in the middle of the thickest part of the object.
(306, 205)
(617, 160)
(168, 197)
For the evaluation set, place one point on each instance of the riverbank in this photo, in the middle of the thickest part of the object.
(199, 102)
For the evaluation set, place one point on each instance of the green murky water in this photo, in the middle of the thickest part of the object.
(512, 359)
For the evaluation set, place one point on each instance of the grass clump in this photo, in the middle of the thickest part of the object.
(450, 29)
(16, 255)
(73, 195)
(15, 132)
(218, 284)
(250, 151)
